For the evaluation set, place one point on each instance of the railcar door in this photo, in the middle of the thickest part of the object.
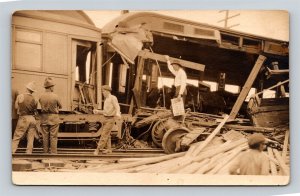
(83, 76)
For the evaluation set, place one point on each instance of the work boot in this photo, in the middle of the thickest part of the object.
(96, 152)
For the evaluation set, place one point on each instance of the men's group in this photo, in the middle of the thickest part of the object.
(26, 107)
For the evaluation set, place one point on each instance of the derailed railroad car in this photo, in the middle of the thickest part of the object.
(64, 45)
(68, 47)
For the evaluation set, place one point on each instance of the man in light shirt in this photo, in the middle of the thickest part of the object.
(111, 110)
(180, 78)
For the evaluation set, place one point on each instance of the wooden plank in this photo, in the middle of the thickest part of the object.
(206, 154)
(272, 164)
(192, 168)
(285, 145)
(278, 84)
(188, 64)
(21, 165)
(212, 163)
(281, 162)
(278, 71)
(227, 159)
(99, 76)
(138, 82)
(246, 88)
(191, 136)
(138, 163)
(162, 166)
(81, 93)
(210, 137)
(223, 148)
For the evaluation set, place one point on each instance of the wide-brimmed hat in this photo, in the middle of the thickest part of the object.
(176, 62)
(122, 26)
(106, 87)
(256, 138)
(31, 86)
(48, 82)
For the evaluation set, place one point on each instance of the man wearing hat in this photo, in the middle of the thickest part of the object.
(180, 77)
(26, 107)
(50, 105)
(253, 161)
(111, 110)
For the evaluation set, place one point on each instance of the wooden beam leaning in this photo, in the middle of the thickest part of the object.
(285, 145)
(272, 164)
(188, 64)
(246, 88)
(138, 82)
(210, 137)
(281, 162)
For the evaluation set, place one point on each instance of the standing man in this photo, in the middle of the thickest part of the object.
(26, 106)
(111, 111)
(253, 161)
(180, 78)
(50, 105)
(14, 113)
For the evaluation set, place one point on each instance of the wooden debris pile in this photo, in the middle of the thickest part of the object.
(211, 156)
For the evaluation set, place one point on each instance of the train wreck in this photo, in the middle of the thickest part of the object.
(228, 74)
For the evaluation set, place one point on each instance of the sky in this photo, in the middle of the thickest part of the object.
(268, 23)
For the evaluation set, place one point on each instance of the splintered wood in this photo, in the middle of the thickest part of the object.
(212, 156)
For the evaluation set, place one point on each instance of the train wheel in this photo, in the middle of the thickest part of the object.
(160, 128)
(171, 137)
(157, 132)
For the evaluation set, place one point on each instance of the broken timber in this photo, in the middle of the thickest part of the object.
(246, 88)
(149, 55)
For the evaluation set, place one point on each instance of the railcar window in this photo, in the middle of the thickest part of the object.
(213, 85)
(251, 43)
(232, 88)
(269, 94)
(204, 32)
(173, 27)
(28, 50)
(229, 40)
(28, 36)
(83, 64)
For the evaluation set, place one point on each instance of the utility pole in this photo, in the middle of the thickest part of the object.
(227, 18)
(124, 11)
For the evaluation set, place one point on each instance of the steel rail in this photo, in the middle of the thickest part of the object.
(90, 156)
(78, 150)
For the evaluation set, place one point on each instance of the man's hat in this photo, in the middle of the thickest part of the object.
(256, 138)
(48, 82)
(106, 87)
(31, 86)
(176, 62)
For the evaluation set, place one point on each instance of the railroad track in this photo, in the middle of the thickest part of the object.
(87, 154)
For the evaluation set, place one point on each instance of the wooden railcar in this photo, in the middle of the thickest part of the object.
(63, 45)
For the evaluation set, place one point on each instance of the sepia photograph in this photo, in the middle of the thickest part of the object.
(174, 97)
